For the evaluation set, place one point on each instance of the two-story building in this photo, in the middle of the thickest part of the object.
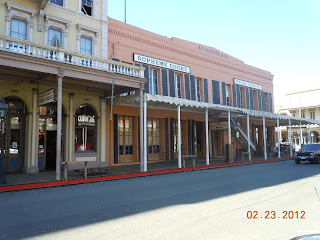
(304, 104)
(55, 77)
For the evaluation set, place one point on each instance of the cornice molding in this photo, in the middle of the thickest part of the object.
(183, 52)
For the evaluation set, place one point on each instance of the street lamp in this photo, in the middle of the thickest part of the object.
(3, 113)
(237, 126)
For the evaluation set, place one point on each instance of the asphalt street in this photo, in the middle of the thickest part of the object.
(277, 200)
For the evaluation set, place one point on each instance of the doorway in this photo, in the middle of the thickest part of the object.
(51, 145)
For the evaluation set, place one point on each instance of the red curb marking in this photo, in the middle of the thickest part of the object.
(129, 175)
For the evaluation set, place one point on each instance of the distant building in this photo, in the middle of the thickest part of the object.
(304, 104)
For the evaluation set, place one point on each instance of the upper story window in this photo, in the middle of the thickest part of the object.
(86, 45)
(178, 86)
(227, 95)
(303, 114)
(54, 32)
(153, 81)
(86, 7)
(312, 116)
(18, 29)
(241, 97)
(254, 100)
(198, 96)
(57, 2)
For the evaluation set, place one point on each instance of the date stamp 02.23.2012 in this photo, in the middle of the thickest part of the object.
(276, 215)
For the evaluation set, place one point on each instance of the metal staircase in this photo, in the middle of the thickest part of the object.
(243, 138)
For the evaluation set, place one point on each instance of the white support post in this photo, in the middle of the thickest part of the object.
(141, 129)
(179, 138)
(309, 132)
(229, 127)
(248, 134)
(290, 140)
(145, 144)
(278, 138)
(300, 135)
(59, 128)
(264, 138)
(207, 137)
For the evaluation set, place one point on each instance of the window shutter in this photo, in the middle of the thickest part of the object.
(172, 138)
(187, 86)
(189, 138)
(264, 101)
(259, 97)
(270, 100)
(248, 98)
(234, 96)
(251, 98)
(206, 97)
(193, 90)
(115, 138)
(164, 82)
(224, 96)
(238, 95)
(171, 81)
(216, 92)
(146, 75)
(167, 138)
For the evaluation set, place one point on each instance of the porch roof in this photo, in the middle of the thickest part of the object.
(170, 103)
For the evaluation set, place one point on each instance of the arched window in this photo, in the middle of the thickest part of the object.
(85, 129)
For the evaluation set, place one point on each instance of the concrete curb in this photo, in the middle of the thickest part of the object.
(130, 175)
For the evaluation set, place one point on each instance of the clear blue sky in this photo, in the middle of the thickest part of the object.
(280, 36)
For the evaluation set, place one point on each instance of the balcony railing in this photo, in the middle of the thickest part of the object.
(32, 49)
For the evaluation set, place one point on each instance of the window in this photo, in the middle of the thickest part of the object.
(254, 100)
(18, 29)
(312, 115)
(227, 95)
(153, 136)
(51, 40)
(178, 86)
(86, 46)
(303, 114)
(241, 97)
(57, 2)
(86, 7)
(125, 130)
(198, 98)
(153, 81)
(85, 129)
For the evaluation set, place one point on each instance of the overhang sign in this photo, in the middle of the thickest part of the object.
(46, 97)
(218, 126)
(160, 63)
(84, 120)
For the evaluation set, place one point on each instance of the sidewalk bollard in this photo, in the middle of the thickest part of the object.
(85, 169)
(65, 172)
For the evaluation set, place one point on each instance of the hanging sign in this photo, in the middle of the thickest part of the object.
(84, 120)
(218, 125)
(160, 63)
(47, 97)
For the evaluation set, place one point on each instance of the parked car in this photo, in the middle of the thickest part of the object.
(308, 152)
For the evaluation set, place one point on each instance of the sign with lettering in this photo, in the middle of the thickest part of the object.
(247, 84)
(47, 97)
(160, 63)
(214, 52)
(218, 126)
(84, 120)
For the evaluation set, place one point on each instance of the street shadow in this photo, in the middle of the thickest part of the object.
(35, 212)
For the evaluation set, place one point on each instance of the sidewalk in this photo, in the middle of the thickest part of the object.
(19, 181)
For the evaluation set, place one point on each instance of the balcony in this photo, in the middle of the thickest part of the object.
(60, 55)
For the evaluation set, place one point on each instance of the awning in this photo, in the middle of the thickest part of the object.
(171, 103)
